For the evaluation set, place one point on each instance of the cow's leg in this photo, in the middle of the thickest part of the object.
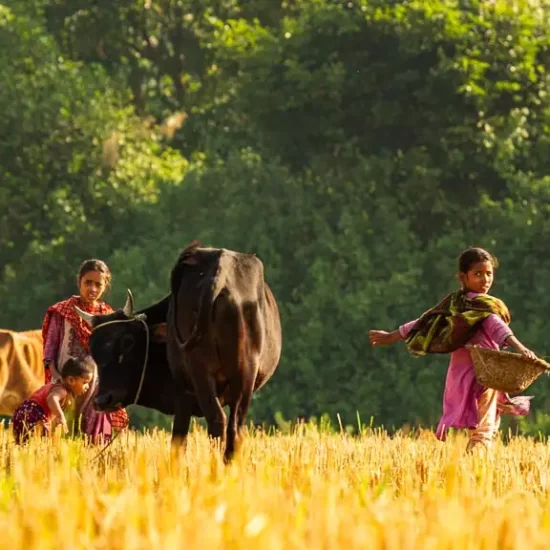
(182, 419)
(204, 385)
(185, 401)
(242, 395)
(232, 431)
(244, 405)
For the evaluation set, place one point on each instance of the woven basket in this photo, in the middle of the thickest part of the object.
(504, 371)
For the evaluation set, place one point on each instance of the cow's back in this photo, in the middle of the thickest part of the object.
(21, 367)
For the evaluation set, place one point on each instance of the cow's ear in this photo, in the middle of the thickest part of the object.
(158, 332)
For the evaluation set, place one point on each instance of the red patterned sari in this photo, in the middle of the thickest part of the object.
(65, 335)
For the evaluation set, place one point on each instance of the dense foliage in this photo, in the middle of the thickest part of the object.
(357, 147)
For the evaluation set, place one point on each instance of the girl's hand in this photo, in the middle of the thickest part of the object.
(519, 347)
(64, 426)
(383, 338)
(528, 354)
(62, 421)
(56, 377)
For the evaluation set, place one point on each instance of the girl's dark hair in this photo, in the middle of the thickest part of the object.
(95, 265)
(76, 367)
(474, 255)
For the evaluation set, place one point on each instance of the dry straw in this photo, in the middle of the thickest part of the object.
(505, 371)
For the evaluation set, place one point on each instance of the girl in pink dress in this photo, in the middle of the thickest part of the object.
(465, 318)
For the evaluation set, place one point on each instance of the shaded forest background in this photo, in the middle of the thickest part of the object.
(357, 147)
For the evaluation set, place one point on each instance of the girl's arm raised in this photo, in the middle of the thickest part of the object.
(55, 397)
(383, 338)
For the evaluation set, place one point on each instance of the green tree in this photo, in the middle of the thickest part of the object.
(357, 147)
(75, 160)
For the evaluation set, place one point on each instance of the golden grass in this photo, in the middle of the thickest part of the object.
(306, 490)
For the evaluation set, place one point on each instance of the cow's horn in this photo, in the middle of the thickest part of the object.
(84, 315)
(128, 308)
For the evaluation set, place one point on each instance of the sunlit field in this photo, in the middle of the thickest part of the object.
(305, 490)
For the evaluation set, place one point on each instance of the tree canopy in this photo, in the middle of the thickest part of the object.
(356, 147)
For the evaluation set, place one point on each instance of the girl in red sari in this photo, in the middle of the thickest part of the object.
(66, 335)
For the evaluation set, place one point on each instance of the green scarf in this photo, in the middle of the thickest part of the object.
(451, 323)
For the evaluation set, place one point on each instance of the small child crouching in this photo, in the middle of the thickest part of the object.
(44, 408)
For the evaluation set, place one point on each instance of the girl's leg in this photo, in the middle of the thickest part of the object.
(27, 417)
(487, 420)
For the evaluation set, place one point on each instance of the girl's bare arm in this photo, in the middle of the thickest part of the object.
(57, 395)
(383, 338)
(517, 345)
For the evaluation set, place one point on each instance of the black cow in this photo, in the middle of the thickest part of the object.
(213, 341)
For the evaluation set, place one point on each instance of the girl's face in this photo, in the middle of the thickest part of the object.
(479, 278)
(91, 286)
(78, 385)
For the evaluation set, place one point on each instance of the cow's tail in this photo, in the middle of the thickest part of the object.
(208, 296)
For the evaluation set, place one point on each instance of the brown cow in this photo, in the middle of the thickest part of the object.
(223, 343)
(21, 367)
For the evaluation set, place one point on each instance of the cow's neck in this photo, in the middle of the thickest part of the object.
(158, 389)
(157, 312)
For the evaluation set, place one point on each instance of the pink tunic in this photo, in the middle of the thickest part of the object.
(462, 389)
